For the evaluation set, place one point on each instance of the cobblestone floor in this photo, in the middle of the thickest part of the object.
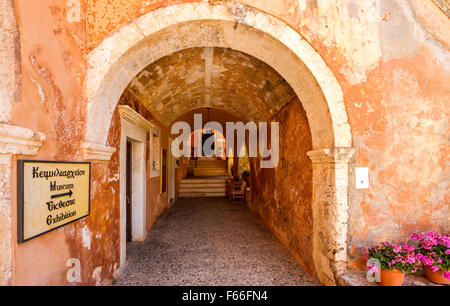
(209, 242)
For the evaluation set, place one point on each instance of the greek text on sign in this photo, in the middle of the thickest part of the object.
(50, 195)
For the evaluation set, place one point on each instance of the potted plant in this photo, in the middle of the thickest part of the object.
(395, 261)
(246, 177)
(433, 251)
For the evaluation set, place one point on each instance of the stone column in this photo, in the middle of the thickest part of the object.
(5, 220)
(330, 211)
(20, 141)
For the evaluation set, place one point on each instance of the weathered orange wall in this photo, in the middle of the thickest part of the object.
(399, 119)
(52, 77)
(282, 196)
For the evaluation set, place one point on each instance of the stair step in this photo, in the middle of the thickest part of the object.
(201, 195)
(203, 172)
(200, 170)
(202, 190)
(203, 185)
(212, 181)
(203, 180)
(209, 174)
(211, 167)
(211, 161)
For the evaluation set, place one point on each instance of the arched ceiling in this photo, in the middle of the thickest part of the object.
(211, 77)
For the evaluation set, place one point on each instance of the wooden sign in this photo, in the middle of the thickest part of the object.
(50, 195)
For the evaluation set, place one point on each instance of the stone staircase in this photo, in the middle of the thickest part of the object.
(193, 187)
(209, 167)
(208, 179)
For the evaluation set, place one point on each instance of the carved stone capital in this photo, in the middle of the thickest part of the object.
(132, 116)
(332, 155)
(95, 151)
(19, 140)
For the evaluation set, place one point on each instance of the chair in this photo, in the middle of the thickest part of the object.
(228, 188)
(238, 192)
(234, 185)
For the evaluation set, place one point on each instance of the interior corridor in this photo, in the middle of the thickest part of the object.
(207, 241)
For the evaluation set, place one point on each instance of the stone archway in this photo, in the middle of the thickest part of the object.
(113, 64)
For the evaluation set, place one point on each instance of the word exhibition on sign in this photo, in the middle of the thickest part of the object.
(50, 194)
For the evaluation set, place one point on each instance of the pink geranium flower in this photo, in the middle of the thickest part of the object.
(394, 256)
(434, 268)
(433, 250)
(373, 269)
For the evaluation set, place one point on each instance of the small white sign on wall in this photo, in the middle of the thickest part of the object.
(362, 177)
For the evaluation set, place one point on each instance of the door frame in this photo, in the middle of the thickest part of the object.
(171, 173)
(134, 131)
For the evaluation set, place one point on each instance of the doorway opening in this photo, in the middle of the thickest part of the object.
(172, 179)
(261, 36)
(134, 133)
(129, 191)
(131, 244)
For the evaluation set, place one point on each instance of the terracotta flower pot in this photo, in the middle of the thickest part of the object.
(436, 277)
(391, 278)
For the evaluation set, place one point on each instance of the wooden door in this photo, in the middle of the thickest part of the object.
(128, 189)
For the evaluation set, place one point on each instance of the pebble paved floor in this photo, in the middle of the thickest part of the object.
(206, 241)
